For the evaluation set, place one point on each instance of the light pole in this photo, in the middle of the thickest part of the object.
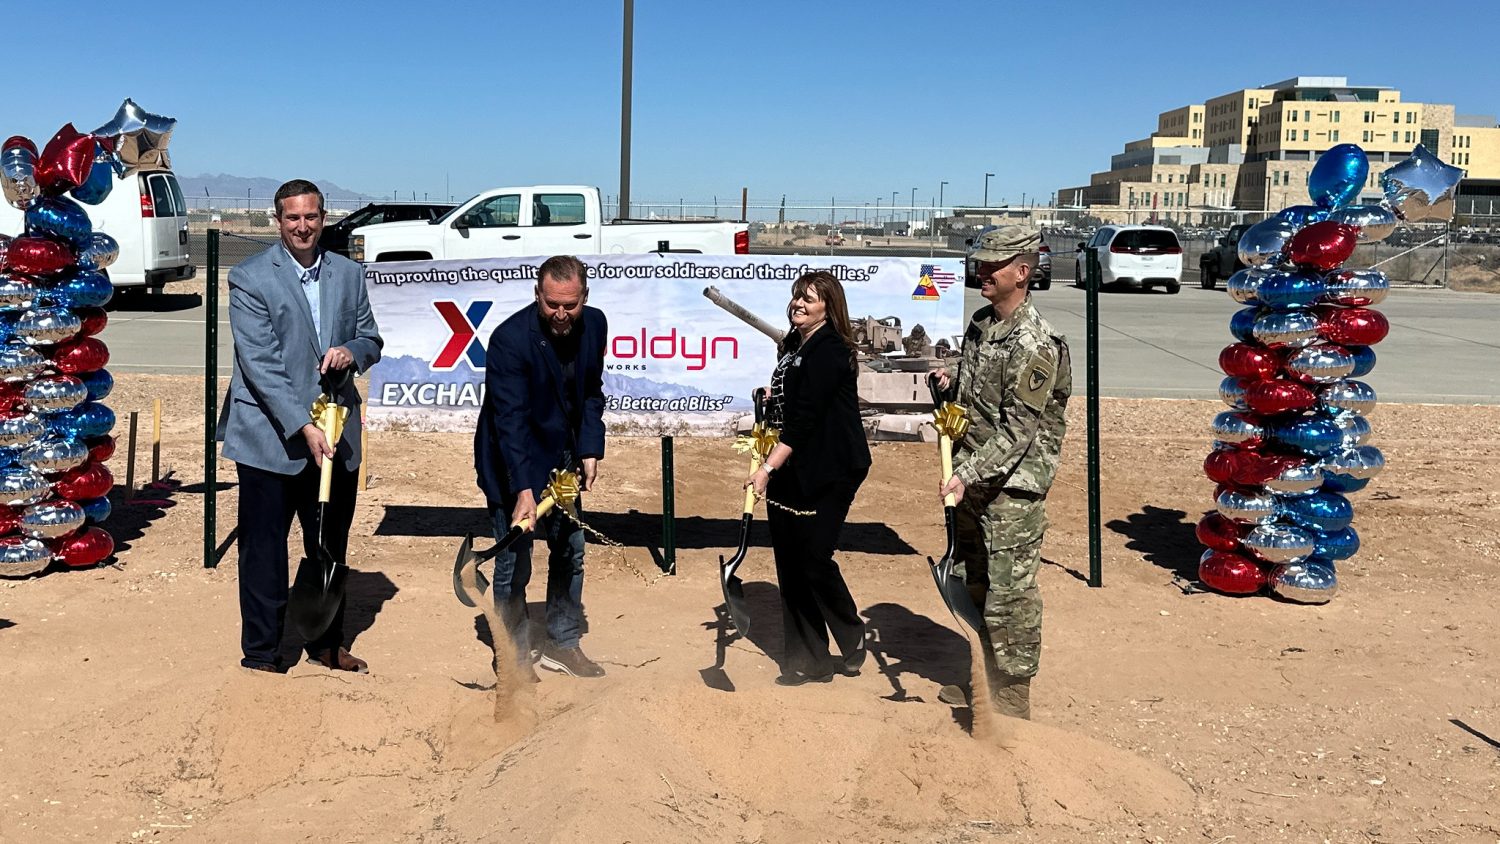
(625, 74)
(987, 189)
(877, 211)
(941, 185)
(912, 212)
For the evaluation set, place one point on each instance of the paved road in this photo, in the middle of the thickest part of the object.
(1442, 347)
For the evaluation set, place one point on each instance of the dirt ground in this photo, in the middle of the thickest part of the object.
(1162, 713)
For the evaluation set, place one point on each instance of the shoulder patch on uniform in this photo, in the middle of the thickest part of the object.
(1036, 380)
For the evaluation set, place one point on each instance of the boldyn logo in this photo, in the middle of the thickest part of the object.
(696, 351)
(463, 344)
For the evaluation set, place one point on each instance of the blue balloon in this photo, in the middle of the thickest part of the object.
(88, 419)
(1335, 545)
(1364, 360)
(1343, 483)
(1242, 324)
(1321, 511)
(1338, 176)
(1317, 435)
(8, 326)
(1301, 215)
(95, 510)
(101, 178)
(61, 218)
(100, 384)
(1291, 289)
(87, 289)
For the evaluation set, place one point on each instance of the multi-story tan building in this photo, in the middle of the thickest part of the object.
(1251, 150)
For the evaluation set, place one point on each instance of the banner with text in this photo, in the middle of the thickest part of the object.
(688, 333)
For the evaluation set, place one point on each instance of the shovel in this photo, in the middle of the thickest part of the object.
(734, 588)
(318, 590)
(562, 488)
(950, 423)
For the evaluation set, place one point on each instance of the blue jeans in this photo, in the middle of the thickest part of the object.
(565, 542)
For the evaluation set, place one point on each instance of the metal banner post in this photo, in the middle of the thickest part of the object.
(1091, 331)
(668, 510)
(211, 403)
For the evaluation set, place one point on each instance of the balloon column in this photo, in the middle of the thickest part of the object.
(54, 428)
(1295, 441)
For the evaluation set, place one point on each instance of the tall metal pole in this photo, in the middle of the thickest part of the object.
(211, 404)
(625, 76)
(987, 189)
(911, 214)
(1091, 358)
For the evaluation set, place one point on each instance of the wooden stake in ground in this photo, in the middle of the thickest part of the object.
(155, 440)
(130, 458)
(364, 454)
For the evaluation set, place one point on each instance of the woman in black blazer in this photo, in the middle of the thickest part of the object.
(819, 464)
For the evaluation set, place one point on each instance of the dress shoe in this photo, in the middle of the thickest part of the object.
(261, 666)
(797, 678)
(954, 695)
(340, 661)
(569, 661)
(849, 666)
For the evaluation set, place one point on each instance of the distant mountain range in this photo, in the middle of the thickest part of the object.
(225, 185)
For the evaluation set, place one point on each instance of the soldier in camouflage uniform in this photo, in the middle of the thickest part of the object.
(1014, 379)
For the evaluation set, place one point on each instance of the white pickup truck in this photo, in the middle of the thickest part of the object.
(539, 220)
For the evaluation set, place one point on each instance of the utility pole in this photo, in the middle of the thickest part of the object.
(625, 76)
(911, 213)
(987, 189)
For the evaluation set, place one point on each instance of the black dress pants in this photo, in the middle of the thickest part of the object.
(815, 601)
(268, 501)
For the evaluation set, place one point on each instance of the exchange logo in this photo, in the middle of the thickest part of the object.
(464, 343)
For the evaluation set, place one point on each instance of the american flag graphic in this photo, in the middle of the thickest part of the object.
(942, 279)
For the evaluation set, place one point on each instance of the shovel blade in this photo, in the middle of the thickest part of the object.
(955, 594)
(467, 555)
(316, 594)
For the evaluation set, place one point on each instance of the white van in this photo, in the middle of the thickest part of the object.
(1137, 257)
(147, 215)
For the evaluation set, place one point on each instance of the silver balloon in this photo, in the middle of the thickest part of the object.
(56, 393)
(20, 486)
(22, 557)
(102, 251)
(51, 519)
(20, 431)
(142, 137)
(1276, 543)
(1375, 222)
(1286, 328)
(1321, 364)
(1422, 187)
(5, 240)
(1265, 241)
(20, 363)
(1296, 480)
(47, 326)
(18, 176)
(1306, 582)
(1360, 463)
(1247, 508)
(1355, 287)
(1244, 285)
(51, 456)
(1231, 427)
(15, 294)
(1349, 396)
(1232, 391)
(1355, 427)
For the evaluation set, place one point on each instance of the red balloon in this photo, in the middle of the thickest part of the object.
(100, 448)
(1218, 533)
(1220, 464)
(91, 480)
(1224, 571)
(19, 141)
(93, 320)
(1324, 245)
(87, 547)
(1272, 397)
(65, 161)
(1243, 360)
(1255, 469)
(38, 256)
(10, 519)
(1353, 326)
(83, 354)
(13, 399)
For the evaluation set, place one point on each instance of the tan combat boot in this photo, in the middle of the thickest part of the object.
(1011, 696)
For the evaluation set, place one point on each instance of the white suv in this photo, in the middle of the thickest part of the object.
(1137, 257)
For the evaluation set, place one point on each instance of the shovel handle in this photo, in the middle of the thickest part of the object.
(945, 453)
(325, 480)
(542, 509)
(750, 490)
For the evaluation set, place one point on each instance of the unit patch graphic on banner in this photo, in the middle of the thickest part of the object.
(926, 289)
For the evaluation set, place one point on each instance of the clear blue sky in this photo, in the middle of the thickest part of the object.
(808, 99)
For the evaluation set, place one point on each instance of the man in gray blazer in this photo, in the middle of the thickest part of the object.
(296, 312)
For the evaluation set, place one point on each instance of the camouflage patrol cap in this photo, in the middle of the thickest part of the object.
(1006, 242)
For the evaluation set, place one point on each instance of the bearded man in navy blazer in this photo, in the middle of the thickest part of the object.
(296, 312)
(543, 410)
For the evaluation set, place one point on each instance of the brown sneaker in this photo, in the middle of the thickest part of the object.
(954, 695)
(570, 661)
(1011, 696)
(342, 661)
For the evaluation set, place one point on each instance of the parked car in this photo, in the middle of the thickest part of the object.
(1137, 257)
(336, 234)
(539, 220)
(1223, 260)
(146, 214)
(1041, 274)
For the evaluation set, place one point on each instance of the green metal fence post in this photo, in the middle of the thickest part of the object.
(1091, 328)
(668, 510)
(211, 403)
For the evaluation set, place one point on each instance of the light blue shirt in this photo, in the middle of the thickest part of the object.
(309, 278)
